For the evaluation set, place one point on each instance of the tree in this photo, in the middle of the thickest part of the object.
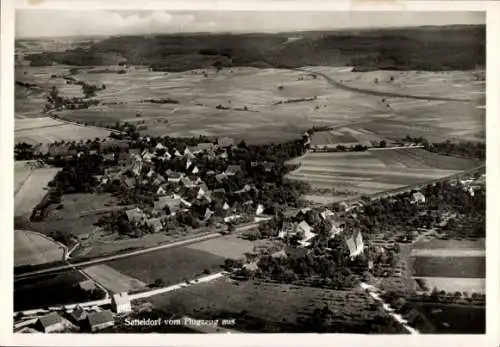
(158, 283)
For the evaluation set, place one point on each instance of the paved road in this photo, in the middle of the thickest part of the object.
(130, 254)
(337, 84)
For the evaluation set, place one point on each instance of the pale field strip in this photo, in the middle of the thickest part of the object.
(66, 132)
(448, 284)
(226, 247)
(31, 123)
(33, 249)
(22, 171)
(436, 252)
(388, 171)
(32, 191)
(320, 199)
(112, 279)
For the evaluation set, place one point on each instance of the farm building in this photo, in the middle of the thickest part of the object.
(87, 285)
(51, 322)
(188, 154)
(174, 176)
(99, 320)
(195, 170)
(78, 314)
(306, 230)
(232, 170)
(326, 214)
(355, 244)
(120, 303)
(418, 198)
(155, 223)
(225, 142)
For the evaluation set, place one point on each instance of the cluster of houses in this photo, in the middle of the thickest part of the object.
(91, 319)
(177, 191)
(305, 233)
(471, 185)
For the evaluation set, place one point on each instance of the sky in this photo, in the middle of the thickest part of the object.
(50, 23)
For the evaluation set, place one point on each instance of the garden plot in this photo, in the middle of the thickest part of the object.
(113, 280)
(31, 248)
(227, 247)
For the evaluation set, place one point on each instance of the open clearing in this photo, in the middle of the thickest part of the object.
(229, 246)
(450, 244)
(31, 248)
(33, 190)
(113, 280)
(47, 130)
(266, 119)
(460, 267)
(266, 307)
(49, 290)
(370, 172)
(172, 265)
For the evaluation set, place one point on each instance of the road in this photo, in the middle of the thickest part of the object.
(339, 85)
(131, 254)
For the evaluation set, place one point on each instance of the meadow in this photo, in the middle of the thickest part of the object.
(172, 265)
(461, 267)
(32, 190)
(229, 246)
(370, 172)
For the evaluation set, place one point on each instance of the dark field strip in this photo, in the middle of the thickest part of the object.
(458, 267)
(50, 290)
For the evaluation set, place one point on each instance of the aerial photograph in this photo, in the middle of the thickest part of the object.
(219, 172)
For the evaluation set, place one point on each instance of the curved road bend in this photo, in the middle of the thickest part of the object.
(337, 84)
(129, 254)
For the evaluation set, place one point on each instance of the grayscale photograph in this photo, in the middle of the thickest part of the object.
(219, 172)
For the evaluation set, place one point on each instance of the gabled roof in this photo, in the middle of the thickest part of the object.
(134, 214)
(50, 319)
(303, 226)
(220, 177)
(79, 313)
(233, 169)
(98, 318)
(120, 298)
(156, 223)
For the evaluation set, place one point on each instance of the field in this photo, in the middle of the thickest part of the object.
(172, 265)
(452, 284)
(370, 172)
(199, 92)
(80, 226)
(451, 319)
(113, 280)
(22, 171)
(32, 249)
(461, 267)
(47, 130)
(345, 136)
(32, 190)
(49, 290)
(267, 307)
(229, 246)
(450, 244)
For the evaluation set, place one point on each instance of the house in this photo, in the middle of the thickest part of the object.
(159, 180)
(155, 223)
(188, 154)
(173, 204)
(303, 213)
(177, 153)
(161, 191)
(306, 230)
(110, 157)
(286, 230)
(160, 146)
(232, 170)
(129, 182)
(150, 173)
(121, 303)
(245, 189)
(223, 155)
(78, 314)
(50, 322)
(355, 244)
(134, 214)
(219, 191)
(134, 152)
(148, 157)
(185, 203)
(418, 198)
(188, 164)
(208, 213)
(251, 267)
(326, 214)
(226, 206)
(174, 176)
(206, 147)
(87, 285)
(99, 320)
(201, 193)
(225, 142)
(220, 177)
(187, 183)
(195, 170)
(231, 218)
(259, 210)
(279, 254)
(137, 167)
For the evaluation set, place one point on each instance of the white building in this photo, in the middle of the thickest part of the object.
(120, 303)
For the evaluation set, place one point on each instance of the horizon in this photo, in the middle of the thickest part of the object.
(37, 24)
